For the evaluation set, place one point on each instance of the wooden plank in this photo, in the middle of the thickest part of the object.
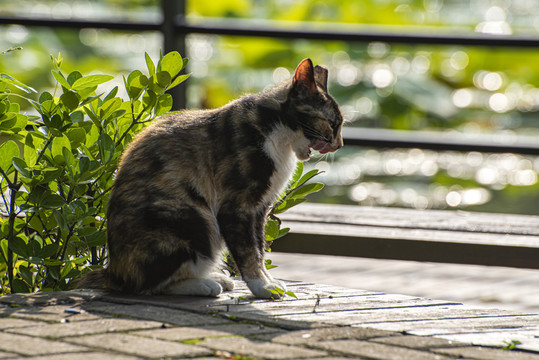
(406, 234)
(415, 219)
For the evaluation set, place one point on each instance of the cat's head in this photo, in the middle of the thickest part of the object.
(312, 110)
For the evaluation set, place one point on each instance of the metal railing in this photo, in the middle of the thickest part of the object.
(175, 27)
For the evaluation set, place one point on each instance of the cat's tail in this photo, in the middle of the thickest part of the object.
(95, 279)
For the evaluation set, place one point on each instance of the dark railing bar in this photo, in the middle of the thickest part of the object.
(238, 29)
(81, 23)
(383, 138)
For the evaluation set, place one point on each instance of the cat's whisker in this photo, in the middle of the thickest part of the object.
(308, 129)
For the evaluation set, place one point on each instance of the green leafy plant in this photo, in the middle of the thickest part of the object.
(57, 168)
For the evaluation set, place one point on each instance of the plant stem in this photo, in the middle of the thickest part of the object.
(11, 226)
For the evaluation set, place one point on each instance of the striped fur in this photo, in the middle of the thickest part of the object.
(197, 182)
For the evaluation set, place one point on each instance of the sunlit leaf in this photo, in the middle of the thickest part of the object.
(70, 100)
(60, 78)
(90, 81)
(172, 63)
(21, 166)
(8, 151)
(163, 105)
(149, 64)
(178, 81)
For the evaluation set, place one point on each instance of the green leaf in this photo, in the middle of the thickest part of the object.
(293, 182)
(172, 63)
(66, 269)
(268, 264)
(77, 116)
(272, 230)
(14, 107)
(60, 78)
(48, 107)
(48, 251)
(178, 81)
(90, 81)
(4, 107)
(149, 64)
(163, 79)
(307, 189)
(154, 86)
(282, 232)
(19, 246)
(76, 136)
(53, 201)
(26, 274)
(68, 157)
(21, 167)
(74, 76)
(70, 99)
(149, 99)
(291, 294)
(30, 149)
(58, 143)
(285, 205)
(97, 239)
(136, 83)
(20, 286)
(7, 152)
(45, 96)
(111, 94)
(80, 260)
(14, 82)
(106, 148)
(109, 107)
(163, 105)
(8, 120)
(61, 220)
(20, 123)
(308, 176)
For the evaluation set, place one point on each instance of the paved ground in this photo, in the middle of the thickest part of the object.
(499, 287)
(325, 322)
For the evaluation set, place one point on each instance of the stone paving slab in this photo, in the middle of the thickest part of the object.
(326, 322)
(80, 328)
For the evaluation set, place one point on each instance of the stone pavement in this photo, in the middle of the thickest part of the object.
(325, 322)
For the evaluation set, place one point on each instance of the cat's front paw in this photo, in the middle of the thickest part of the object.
(195, 287)
(264, 289)
(226, 282)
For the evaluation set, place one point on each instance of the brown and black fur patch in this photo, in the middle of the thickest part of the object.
(196, 182)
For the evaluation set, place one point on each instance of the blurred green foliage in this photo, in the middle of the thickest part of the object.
(396, 86)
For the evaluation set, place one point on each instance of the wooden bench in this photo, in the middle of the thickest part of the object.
(460, 237)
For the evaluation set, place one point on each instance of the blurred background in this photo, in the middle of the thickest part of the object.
(468, 90)
(456, 90)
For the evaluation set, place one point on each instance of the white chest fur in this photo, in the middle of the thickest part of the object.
(279, 146)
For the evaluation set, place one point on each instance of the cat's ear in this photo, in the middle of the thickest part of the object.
(321, 77)
(304, 77)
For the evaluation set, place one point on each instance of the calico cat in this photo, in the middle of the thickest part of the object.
(196, 182)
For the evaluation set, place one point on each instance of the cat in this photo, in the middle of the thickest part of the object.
(199, 181)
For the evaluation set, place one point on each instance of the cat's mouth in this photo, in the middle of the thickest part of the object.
(321, 146)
